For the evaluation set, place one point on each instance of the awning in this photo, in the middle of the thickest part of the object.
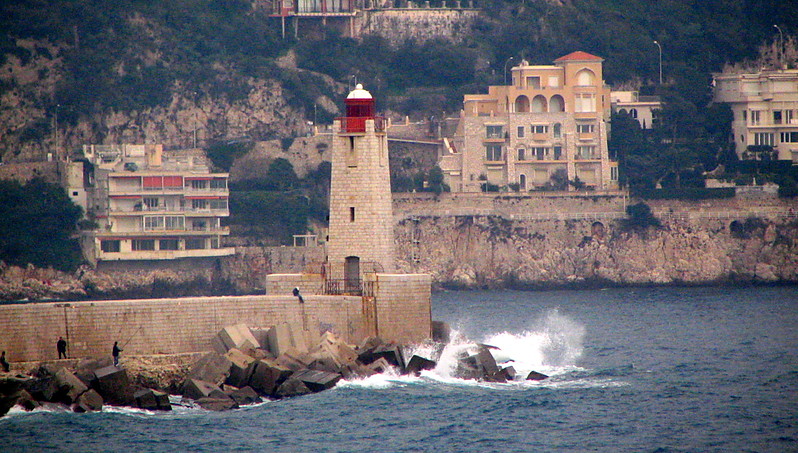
(200, 178)
(204, 197)
(126, 197)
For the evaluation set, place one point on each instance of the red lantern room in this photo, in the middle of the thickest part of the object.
(359, 108)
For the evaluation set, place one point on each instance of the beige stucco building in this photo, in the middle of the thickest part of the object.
(150, 205)
(548, 126)
(765, 108)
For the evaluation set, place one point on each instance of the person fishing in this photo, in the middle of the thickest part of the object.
(115, 353)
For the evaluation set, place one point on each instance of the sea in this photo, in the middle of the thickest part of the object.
(666, 369)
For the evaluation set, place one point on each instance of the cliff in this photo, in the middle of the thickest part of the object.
(702, 244)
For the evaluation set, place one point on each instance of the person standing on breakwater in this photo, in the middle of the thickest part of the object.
(115, 352)
(4, 363)
(61, 345)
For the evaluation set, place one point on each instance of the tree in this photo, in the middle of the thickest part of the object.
(36, 225)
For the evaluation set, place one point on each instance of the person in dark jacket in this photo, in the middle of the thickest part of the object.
(61, 346)
(4, 363)
(115, 352)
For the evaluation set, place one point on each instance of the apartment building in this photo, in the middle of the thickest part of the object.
(547, 127)
(765, 108)
(150, 205)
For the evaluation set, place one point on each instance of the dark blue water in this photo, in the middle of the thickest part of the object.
(633, 370)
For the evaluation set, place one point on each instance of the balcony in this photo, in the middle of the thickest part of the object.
(357, 124)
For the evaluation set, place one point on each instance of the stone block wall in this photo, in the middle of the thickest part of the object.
(284, 284)
(162, 326)
(421, 24)
(403, 303)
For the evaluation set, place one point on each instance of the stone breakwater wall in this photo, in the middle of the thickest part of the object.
(492, 251)
(29, 332)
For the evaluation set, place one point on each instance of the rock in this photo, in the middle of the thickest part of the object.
(85, 368)
(317, 381)
(508, 373)
(356, 371)
(113, 385)
(42, 388)
(441, 332)
(379, 366)
(267, 376)
(212, 367)
(331, 354)
(239, 337)
(480, 366)
(69, 386)
(89, 401)
(217, 404)
(291, 387)
(535, 376)
(418, 364)
(239, 368)
(291, 361)
(152, 400)
(390, 352)
(26, 401)
(196, 389)
(282, 339)
(244, 396)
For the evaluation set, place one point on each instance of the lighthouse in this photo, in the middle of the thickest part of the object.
(360, 237)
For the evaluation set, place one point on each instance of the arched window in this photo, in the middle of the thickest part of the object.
(539, 104)
(585, 77)
(557, 130)
(633, 112)
(522, 104)
(556, 104)
(522, 181)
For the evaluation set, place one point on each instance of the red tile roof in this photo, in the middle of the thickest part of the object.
(579, 56)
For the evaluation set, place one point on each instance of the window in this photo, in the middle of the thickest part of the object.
(788, 117)
(584, 152)
(777, 117)
(494, 132)
(585, 77)
(557, 153)
(585, 102)
(198, 184)
(174, 223)
(218, 204)
(521, 154)
(633, 113)
(110, 246)
(74, 194)
(539, 129)
(554, 81)
(153, 223)
(199, 204)
(540, 153)
(613, 173)
(763, 139)
(754, 117)
(493, 153)
(520, 131)
(195, 243)
(199, 225)
(150, 203)
(167, 244)
(789, 137)
(218, 183)
(351, 213)
(557, 130)
(584, 128)
(522, 182)
(533, 82)
(143, 244)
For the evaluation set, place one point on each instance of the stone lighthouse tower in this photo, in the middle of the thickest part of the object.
(361, 220)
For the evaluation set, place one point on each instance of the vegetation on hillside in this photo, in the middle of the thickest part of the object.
(37, 221)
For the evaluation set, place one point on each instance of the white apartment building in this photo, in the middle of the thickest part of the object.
(765, 108)
(641, 108)
(152, 206)
(549, 124)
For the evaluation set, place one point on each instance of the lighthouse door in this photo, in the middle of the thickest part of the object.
(352, 274)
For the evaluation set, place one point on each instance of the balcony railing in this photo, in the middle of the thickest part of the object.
(349, 287)
(357, 124)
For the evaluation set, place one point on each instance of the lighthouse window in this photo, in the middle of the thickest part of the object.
(352, 214)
